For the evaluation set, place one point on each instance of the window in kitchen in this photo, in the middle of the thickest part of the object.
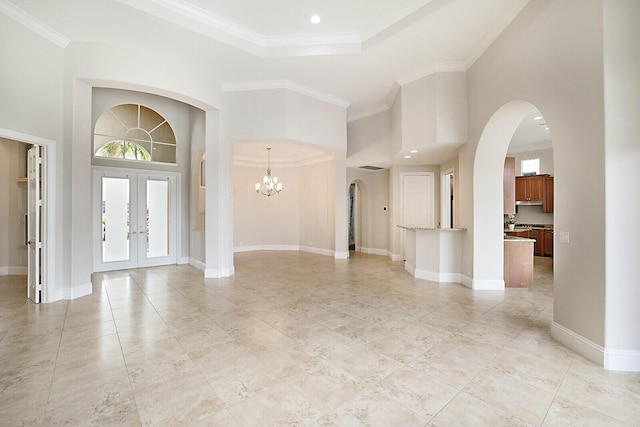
(134, 132)
(530, 167)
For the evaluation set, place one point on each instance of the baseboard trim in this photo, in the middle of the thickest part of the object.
(396, 257)
(74, 292)
(576, 342)
(374, 251)
(197, 264)
(218, 273)
(19, 270)
(611, 359)
(318, 251)
(266, 248)
(622, 360)
(184, 260)
(438, 277)
(341, 255)
(487, 285)
(466, 280)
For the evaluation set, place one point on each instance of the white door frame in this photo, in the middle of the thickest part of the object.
(175, 234)
(446, 210)
(49, 205)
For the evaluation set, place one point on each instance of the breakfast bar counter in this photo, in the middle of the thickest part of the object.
(433, 253)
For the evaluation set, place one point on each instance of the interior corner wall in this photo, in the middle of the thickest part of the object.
(622, 157)
(551, 56)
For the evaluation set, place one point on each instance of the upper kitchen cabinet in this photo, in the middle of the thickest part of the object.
(509, 185)
(530, 189)
(547, 202)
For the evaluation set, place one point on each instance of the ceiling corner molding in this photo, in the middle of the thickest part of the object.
(284, 84)
(33, 23)
(194, 18)
(441, 67)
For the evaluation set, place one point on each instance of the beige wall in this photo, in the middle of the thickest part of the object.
(302, 216)
(550, 56)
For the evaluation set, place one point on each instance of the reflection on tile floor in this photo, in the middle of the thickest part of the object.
(298, 339)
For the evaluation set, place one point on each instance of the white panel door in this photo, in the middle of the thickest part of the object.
(417, 201)
(34, 196)
(135, 220)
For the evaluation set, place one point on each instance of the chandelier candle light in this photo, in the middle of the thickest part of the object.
(270, 184)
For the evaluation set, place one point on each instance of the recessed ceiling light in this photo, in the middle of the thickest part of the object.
(414, 151)
(315, 19)
(542, 125)
(537, 118)
(407, 157)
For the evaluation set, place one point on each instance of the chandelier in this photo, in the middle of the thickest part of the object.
(270, 184)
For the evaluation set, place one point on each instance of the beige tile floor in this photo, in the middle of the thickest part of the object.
(298, 339)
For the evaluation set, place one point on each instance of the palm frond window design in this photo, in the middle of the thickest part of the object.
(134, 132)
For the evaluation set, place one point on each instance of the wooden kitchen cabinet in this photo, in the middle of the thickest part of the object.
(548, 243)
(547, 201)
(524, 234)
(530, 188)
(509, 185)
(538, 246)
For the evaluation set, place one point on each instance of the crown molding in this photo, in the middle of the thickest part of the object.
(249, 86)
(33, 23)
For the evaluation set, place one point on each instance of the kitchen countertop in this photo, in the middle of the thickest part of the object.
(517, 239)
(432, 228)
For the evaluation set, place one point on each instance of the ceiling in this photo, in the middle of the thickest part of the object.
(356, 57)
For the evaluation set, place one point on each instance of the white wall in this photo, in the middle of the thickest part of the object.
(369, 140)
(31, 83)
(622, 175)
(551, 56)
(302, 216)
(434, 110)
(13, 206)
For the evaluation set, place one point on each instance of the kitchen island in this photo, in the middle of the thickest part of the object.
(518, 261)
(433, 253)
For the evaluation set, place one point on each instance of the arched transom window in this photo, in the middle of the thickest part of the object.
(134, 132)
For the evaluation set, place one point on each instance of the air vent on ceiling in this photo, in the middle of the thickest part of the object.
(371, 168)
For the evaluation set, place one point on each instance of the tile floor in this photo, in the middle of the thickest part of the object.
(298, 339)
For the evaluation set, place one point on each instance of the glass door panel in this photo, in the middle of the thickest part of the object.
(115, 219)
(157, 218)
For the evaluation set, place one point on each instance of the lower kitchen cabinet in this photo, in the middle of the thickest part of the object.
(548, 243)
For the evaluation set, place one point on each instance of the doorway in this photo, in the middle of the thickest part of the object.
(134, 219)
(355, 210)
(448, 212)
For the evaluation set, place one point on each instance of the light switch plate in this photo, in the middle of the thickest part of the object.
(563, 236)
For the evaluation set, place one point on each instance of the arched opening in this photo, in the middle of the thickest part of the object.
(488, 170)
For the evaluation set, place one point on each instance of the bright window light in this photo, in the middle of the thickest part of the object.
(530, 167)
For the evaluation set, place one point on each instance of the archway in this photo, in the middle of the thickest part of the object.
(488, 166)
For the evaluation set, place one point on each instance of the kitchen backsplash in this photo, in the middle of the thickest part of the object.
(532, 215)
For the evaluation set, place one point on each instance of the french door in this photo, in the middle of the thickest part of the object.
(34, 224)
(134, 220)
